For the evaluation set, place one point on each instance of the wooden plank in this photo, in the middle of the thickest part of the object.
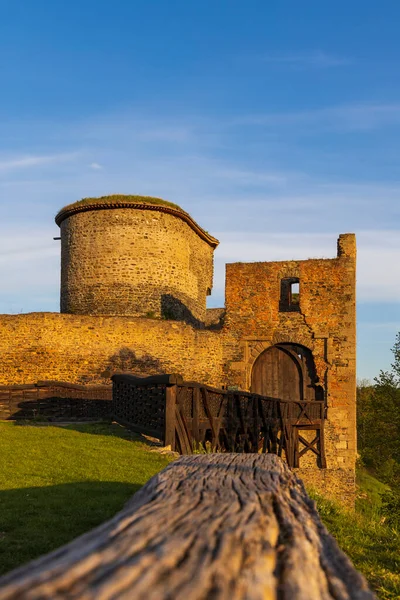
(220, 526)
(171, 379)
(215, 424)
(170, 418)
(181, 430)
(196, 384)
(322, 445)
(196, 417)
(71, 386)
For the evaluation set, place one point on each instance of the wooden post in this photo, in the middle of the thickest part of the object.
(169, 426)
(195, 421)
(220, 526)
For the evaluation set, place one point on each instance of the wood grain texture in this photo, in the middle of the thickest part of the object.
(217, 526)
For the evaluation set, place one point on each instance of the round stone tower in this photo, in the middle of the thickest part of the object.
(134, 256)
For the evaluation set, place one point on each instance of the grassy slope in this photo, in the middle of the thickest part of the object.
(373, 546)
(56, 483)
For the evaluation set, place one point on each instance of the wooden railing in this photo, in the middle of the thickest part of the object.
(221, 526)
(55, 400)
(191, 417)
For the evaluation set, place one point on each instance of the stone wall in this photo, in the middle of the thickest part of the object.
(88, 349)
(325, 323)
(127, 261)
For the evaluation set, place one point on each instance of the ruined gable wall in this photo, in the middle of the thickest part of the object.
(326, 324)
(88, 349)
(127, 261)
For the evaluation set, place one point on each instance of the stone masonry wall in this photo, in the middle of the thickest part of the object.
(326, 324)
(88, 349)
(134, 262)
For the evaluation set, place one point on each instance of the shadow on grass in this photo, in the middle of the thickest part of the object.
(36, 520)
(112, 429)
(94, 428)
(104, 428)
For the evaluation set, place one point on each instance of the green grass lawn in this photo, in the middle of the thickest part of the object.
(58, 482)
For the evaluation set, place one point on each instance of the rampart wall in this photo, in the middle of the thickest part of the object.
(88, 349)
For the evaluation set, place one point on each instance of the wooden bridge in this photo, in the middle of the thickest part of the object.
(189, 417)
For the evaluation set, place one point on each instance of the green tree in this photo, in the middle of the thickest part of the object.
(379, 422)
(387, 409)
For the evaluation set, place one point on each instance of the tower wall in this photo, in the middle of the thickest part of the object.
(133, 262)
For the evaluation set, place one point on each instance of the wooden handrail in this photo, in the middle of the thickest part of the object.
(172, 379)
(221, 526)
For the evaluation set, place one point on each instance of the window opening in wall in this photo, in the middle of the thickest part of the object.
(295, 293)
(290, 294)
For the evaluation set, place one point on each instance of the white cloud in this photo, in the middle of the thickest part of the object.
(30, 262)
(317, 59)
(165, 134)
(347, 117)
(387, 325)
(251, 177)
(246, 197)
(24, 162)
(378, 261)
(29, 269)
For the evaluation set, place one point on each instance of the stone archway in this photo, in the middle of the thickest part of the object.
(286, 371)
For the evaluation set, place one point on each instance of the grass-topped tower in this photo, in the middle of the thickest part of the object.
(134, 256)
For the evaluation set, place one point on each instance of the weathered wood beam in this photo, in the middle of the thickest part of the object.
(171, 379)
(217, 526)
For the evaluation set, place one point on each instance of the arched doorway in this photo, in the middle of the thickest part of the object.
(286, 371)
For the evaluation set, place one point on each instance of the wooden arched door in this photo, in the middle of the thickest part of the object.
(286, 371)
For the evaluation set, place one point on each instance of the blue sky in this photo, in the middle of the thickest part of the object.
(275, 124)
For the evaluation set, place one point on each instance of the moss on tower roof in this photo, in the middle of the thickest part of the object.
(123, 201)
(117, 198)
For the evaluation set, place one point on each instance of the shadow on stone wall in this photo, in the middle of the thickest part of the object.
(174, 309)
(215, 319)
(128, 361)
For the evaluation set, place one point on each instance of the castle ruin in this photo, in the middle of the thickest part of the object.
(135, 275)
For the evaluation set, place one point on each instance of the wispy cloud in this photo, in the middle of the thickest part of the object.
(165, 134)
(347, 117)
(29, 260)
(316, 59)
(379, 325)
(247, 190)
(378, 251)
(24, 162)
(251, 177)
